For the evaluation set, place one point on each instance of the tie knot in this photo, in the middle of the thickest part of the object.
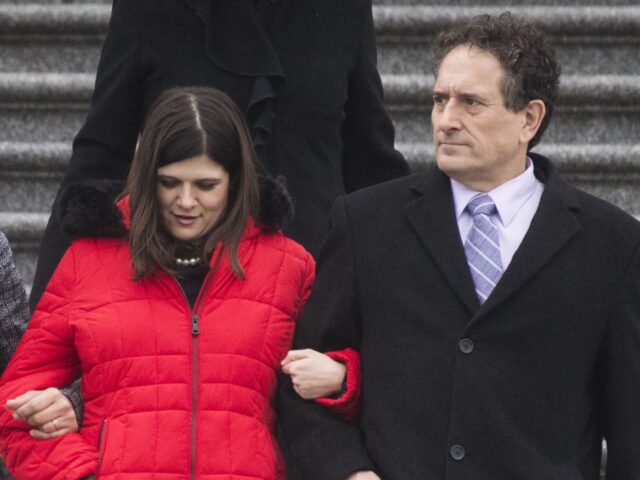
(481, 205)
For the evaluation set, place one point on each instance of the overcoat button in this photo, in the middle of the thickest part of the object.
(465, 345)
(457, 452)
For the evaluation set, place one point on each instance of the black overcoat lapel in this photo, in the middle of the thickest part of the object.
(432, 215)
(552, 227)
(236, 39)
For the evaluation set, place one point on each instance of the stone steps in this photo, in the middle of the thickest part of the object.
(605, 19)
(49, 53)
(31, 18)
(45, 37)
(61, 2)
(606, 36)
(50, 107)
(31, 173)
(24, 231)
(505, 4)
(52, 37)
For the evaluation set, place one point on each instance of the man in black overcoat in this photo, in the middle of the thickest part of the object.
(496, 307)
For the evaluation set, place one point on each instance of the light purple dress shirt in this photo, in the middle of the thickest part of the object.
(516, 201)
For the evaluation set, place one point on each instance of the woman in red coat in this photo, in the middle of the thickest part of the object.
(177, 312)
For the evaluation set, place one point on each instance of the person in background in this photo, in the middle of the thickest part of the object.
(176, 305)
(14, 310)
(303, 73)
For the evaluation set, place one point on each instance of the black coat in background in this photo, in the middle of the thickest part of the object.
(527, 384)
(304, 71)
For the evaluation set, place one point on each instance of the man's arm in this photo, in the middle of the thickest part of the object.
(369, 154)
(621, 370)
(14, 313)
(326, 446)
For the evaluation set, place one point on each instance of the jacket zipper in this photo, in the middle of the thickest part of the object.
(195, 331)
(101, 447)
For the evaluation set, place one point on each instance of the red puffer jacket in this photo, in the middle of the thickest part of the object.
(170, 392)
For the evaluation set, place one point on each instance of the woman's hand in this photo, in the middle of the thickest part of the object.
(368, 475)
(313, 374)
(49, 411)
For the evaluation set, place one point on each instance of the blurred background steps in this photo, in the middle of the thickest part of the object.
(49, 53)
(503, 4)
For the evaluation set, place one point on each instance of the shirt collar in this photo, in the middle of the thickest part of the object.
(508, 197)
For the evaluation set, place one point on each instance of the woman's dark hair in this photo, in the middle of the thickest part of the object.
(185, 123)
(528, 59)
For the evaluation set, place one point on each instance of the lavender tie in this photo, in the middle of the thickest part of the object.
(483, 246)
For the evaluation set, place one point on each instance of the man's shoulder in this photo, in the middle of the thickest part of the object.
(598, 214)
(396, 191)
(384, 206)
(594, 214)
(4, 243)
(6, 256)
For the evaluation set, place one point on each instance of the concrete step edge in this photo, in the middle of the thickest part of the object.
(559, 20)
(34, 157)
(30, 87)
(576, 90)
(41, 18)
(22, 227)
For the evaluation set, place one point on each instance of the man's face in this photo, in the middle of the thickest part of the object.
(478, 141)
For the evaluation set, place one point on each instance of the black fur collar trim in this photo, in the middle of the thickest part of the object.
(88, 209)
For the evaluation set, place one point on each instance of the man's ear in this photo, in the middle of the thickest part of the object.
(533, 114)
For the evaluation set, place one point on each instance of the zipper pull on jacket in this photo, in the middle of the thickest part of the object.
(195, 326)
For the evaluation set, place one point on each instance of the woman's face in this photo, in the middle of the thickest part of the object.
(192, 195)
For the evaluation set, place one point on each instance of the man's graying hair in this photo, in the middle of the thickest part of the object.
(528, 59)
